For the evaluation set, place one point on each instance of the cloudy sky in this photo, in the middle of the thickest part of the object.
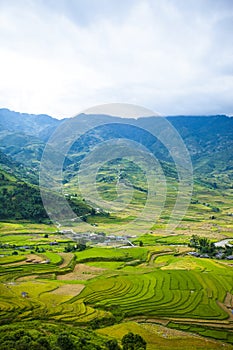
(60, 57)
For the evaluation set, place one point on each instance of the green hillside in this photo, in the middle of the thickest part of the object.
(20, 200)
(17, 169)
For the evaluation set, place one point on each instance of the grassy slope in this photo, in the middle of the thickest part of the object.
(22, 201)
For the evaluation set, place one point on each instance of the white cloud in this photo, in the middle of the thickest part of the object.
(60, 57)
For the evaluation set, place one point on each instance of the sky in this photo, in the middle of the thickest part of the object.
(60, 57)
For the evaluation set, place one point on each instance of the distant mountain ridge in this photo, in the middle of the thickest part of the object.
(30, 124)
(209, 139)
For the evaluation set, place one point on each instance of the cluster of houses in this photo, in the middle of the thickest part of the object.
(99, 238)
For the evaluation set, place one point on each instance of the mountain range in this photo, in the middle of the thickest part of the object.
(209, 139)
(23, 137)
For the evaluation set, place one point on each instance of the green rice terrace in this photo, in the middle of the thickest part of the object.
(48, 278)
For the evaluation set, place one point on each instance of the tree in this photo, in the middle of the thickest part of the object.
(4, 191)
(65, 342)
(204, 244)
(93, 211)
(43, 342)
(215, 209)
(68, 248)
(132, 341)
(112, 345)
(140, 343)
(81, 246)
(194, 241)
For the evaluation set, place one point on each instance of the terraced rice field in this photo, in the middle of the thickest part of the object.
(149, 284)
(44, 300)
(162, 294)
